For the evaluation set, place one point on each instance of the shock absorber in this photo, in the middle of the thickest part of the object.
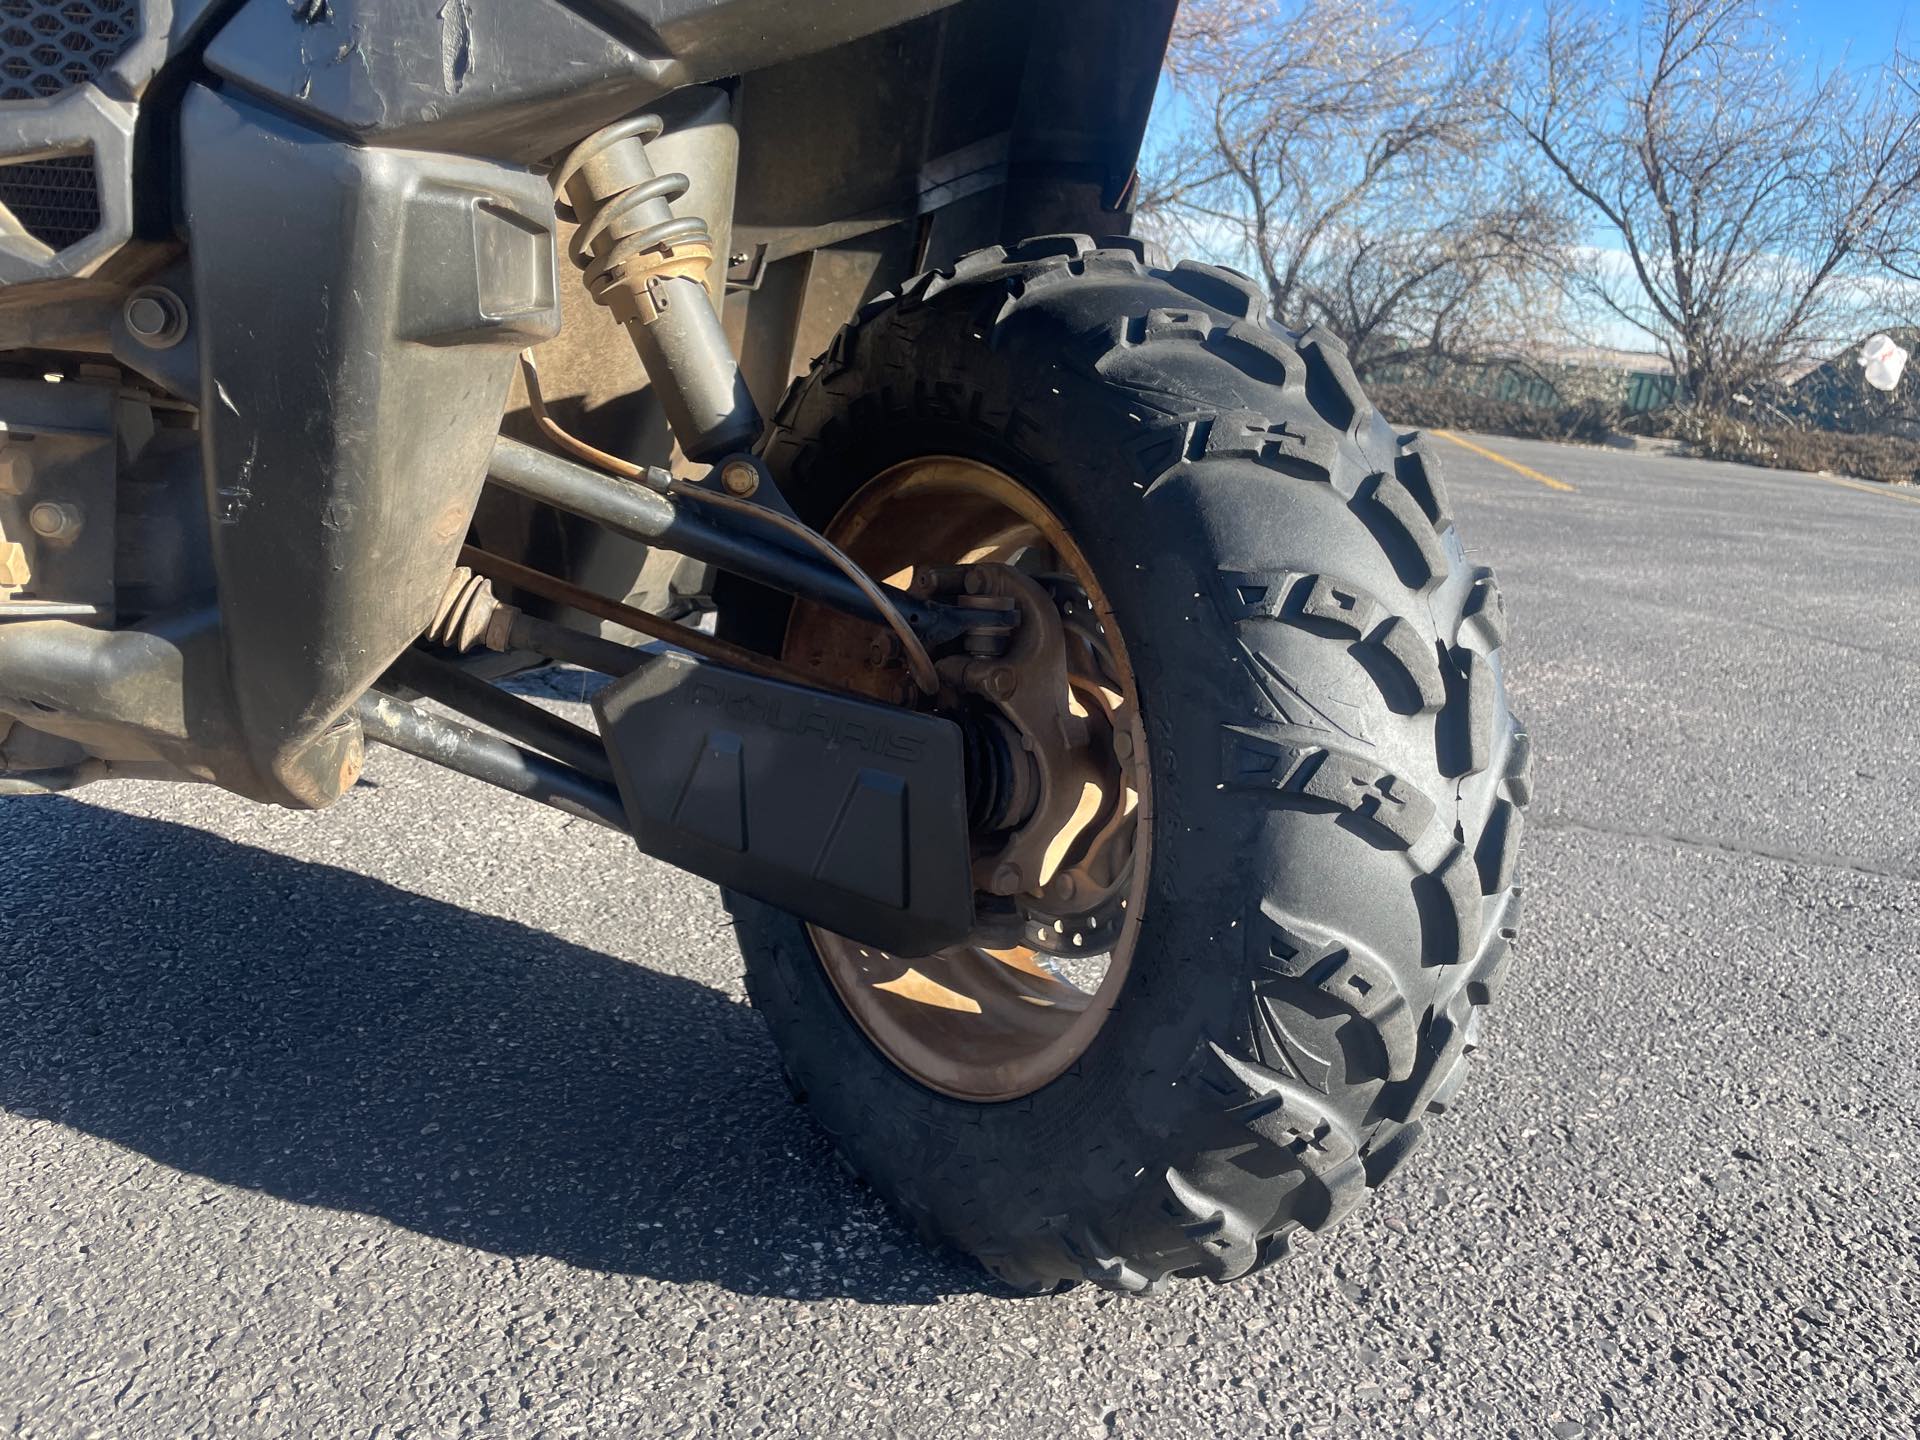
(650, 268)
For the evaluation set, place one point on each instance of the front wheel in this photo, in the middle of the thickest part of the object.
(1219, 991)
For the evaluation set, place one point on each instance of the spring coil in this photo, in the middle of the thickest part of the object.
(633, 259)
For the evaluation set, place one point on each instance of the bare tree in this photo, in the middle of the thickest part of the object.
(1754, 206)
(1354, 162)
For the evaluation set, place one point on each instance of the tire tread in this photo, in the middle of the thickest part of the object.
(1289, 1140)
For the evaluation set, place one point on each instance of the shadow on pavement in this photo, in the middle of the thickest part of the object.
(329, 1039)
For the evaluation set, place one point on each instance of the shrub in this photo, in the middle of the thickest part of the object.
(1727, 437)
(1429, 407)
(1704, 433)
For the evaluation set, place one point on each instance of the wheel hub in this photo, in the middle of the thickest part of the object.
(1057, 783)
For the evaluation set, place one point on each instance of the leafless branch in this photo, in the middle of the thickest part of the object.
(1354, 161)
(1757, 208)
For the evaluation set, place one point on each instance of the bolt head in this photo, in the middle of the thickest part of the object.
(1006, 879)
(155, 317)
(146, 316)
(53, 521)
(740, 477)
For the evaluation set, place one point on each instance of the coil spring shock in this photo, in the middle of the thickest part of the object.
(650, 268)
(682, 243)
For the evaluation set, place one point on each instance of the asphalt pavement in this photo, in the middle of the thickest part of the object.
(436, 1115)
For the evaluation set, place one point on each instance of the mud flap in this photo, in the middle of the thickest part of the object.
(848, 813)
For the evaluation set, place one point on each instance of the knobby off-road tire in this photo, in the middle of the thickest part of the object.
(1337, 781)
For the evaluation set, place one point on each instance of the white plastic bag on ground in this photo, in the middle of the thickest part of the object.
(1883, 360)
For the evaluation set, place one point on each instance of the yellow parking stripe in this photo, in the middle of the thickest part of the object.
(1513, 465)
(1890, 491)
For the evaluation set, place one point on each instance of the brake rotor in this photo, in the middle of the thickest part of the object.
(1059, 774)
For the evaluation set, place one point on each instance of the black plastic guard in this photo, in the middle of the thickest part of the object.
(848, 813)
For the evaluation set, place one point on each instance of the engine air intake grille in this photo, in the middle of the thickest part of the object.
(48, 47)
(55, 201)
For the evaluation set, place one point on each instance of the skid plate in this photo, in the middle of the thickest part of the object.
(849, 813)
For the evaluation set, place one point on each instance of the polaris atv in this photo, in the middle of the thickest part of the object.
(1078, 689)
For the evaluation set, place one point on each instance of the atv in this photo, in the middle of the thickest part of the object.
(1078, 689)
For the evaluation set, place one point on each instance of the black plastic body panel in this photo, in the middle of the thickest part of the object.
(357, 311)
(988, 95)
(982, 124)
(849, 813)
(515, 79)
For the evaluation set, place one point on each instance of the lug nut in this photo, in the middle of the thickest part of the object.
(740, 477)
(155, 317)
(53, 521)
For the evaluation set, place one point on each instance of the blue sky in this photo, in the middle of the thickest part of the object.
(1860, 32)
(1826, 32)
(1863, 32)
(1857, 33)
(1871, 27)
